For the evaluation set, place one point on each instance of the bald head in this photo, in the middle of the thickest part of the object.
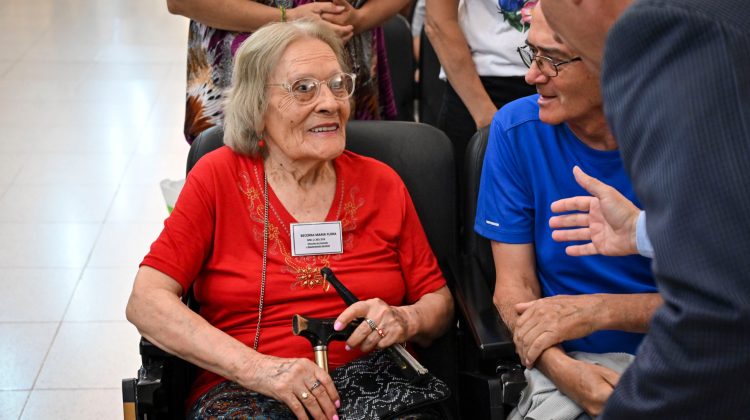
(583, 24)
(538, 19)
(540, 33)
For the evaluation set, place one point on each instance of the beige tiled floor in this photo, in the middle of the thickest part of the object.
(91, 108)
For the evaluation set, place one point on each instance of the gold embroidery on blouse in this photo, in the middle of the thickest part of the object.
(309, 275)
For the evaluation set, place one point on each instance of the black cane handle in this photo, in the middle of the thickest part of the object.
(407, 364)
(345, 293)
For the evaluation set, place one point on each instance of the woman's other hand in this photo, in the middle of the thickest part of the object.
(387, 324)
(326, 12)
(298, 383)
(348, 16)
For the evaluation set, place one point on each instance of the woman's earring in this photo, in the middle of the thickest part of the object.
(261, 143)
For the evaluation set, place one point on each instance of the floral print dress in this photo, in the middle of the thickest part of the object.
(517, 12)
(209, 74)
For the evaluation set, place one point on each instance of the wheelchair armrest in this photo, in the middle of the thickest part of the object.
(162, 384)
(493, 339)
(491, 379)
(150, 351)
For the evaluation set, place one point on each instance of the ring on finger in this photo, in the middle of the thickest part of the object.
(315, 385)
(304, 395)
(374, 327)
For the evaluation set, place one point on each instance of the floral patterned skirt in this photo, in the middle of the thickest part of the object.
(229, 400)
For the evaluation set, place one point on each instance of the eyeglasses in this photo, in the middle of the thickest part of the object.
(305, 90)
(546, 65)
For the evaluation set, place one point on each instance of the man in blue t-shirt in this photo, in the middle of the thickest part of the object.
(555, 303)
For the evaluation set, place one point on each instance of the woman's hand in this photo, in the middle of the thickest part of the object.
(298, 383)
(348, 16)
(390, 324)
(325, 12)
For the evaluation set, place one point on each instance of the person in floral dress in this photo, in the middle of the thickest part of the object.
(216, 31)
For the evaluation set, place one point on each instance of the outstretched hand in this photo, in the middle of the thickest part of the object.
(608, 221)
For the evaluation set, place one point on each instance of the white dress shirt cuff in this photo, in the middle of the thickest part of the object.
(642, 242)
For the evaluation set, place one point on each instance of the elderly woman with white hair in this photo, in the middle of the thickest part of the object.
(231, 237)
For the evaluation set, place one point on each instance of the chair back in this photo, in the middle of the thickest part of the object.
(207, 141)
(473, 244)
(421, 155)
(398, 45)
(490, 378)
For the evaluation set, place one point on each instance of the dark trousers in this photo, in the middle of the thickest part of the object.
(456, 121)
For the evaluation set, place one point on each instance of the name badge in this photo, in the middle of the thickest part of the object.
(319, 238)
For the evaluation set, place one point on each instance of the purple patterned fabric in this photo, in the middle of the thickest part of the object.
(209, 72)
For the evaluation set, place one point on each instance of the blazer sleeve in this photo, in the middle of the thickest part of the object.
(676, 87)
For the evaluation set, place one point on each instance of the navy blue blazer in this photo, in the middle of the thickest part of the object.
(676, 87)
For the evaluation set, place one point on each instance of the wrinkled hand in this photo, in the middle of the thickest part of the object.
(546, 322)
(287, 379)
(391, 320)
(317, 11)
(589, 385)
(609, 223)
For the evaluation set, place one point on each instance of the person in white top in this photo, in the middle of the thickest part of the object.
(476, 43)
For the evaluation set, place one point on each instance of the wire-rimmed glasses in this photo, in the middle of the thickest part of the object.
(305, 90)
(546, 65)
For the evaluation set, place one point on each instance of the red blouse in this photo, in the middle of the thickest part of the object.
(213, 240)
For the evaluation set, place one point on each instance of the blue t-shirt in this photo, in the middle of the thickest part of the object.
(528, 165)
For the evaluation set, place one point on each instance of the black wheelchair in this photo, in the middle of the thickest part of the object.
(476, 358)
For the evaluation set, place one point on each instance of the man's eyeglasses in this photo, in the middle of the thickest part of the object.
(546, 65)
(305, 90)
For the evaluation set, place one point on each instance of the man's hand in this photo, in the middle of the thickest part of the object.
(589, 385)
(609, 224)
(546, 322)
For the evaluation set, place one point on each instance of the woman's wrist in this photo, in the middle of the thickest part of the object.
(357, 21)
(244, 369)
(291, 14)
(410, 321)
